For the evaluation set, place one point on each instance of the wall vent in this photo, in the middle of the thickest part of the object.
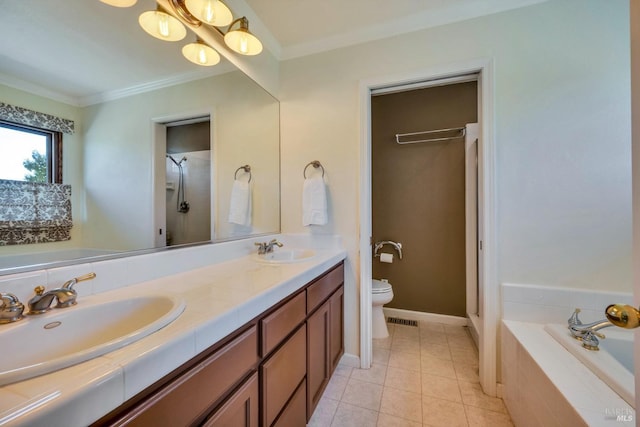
(398, 321)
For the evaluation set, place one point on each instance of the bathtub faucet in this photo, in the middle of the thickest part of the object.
(587, 333)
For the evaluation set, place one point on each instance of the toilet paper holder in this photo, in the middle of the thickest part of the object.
(379, 245)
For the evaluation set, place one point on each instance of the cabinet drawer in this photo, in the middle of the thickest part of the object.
(241, 409)
(282, 373)
(189, 396)
(280, 323)
(323, 287)
(295, 414)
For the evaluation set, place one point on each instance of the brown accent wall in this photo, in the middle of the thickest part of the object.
(418, 196)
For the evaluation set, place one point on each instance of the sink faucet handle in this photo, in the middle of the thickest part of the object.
(574, 320)
(69, 283)
(11, 308)
(39, 290)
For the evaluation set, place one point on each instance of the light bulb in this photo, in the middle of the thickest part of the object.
(202, 56)
(208, 11)
(244, 44)
(163, 25)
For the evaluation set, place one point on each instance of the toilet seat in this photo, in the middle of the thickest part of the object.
(380, 287)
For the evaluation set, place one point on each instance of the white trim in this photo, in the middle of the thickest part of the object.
(350, 360)
(471, 216)
(426, 317)
(486, 171)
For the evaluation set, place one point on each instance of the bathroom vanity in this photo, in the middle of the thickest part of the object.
(269, 372)
(256, 345)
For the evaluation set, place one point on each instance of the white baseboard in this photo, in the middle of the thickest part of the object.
(474, 327)
(500, 390)
(427, 317)
(350, 360)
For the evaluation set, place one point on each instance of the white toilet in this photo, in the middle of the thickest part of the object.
(382, 294)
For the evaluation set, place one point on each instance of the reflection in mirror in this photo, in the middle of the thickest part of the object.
(124, 186)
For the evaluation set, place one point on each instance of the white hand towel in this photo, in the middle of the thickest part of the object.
(240, 204)
(314, 202)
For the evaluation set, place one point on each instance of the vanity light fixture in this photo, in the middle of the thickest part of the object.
(161, 25)
(211, 12)
(240, 40)
(119, 3)
(200, 54)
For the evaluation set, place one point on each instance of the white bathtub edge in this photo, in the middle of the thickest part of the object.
(589, 397)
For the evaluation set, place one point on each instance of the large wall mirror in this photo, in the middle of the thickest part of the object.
(159, 143)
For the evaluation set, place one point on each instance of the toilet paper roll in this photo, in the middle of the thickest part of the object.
(385, 257)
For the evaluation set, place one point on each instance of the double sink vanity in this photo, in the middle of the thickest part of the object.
(245, 340)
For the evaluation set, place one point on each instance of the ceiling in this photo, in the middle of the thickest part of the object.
(83, 51)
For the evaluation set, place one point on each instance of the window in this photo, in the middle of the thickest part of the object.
(30, 153)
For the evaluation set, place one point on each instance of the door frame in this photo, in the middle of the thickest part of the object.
(158, 169)
(488, 301)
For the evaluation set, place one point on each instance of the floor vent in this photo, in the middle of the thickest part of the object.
(398, 321)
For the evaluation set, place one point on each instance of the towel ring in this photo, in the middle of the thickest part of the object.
(246, 168)
(316, 164)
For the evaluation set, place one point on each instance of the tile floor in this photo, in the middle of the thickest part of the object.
(420, 376)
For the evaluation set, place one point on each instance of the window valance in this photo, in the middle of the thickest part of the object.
(34, 212)
(24, 116)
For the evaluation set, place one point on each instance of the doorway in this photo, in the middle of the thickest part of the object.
(183, 207)
(418, 195)
(487, 299)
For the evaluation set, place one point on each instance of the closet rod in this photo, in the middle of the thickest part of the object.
(462, 131)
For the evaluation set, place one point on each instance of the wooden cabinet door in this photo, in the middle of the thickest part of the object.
(318, 357)
(241, 410)
(336, 343)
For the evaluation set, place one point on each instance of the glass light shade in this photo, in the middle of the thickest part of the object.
(162, 26)
(119, 3)
(212, 12)
(241, 40)
(201, 54)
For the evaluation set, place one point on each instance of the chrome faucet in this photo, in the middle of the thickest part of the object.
(11, 308)
(587, 333)
(65, 295)
(265, 248)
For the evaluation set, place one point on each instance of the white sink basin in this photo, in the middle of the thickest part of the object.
(44, 343)
(284, 256)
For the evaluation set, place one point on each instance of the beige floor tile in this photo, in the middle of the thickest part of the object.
(431, 326)
(362, 394)
(442, 413)
(461, 342)
(323, 414)
(435, 350)
(382, 342)
(428, 337)
(376, 374)
(386, 420)
(472, 395)
(403, 379)
(335, 388)
(343, 370)
(435, 366)
(456, 330)
(409, 361)
(381, 356)
(440, 387)
(468, 373)
(407, 345)
(479, 417)
(410, 332)
(464, 357)
(401, 404)
(354, 416)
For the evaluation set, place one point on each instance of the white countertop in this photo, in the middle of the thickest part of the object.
(219, 299)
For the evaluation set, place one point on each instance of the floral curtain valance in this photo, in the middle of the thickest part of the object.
(24, 116)
(34, 212)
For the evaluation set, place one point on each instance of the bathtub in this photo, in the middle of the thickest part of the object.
(613, 363)
(544, 383)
